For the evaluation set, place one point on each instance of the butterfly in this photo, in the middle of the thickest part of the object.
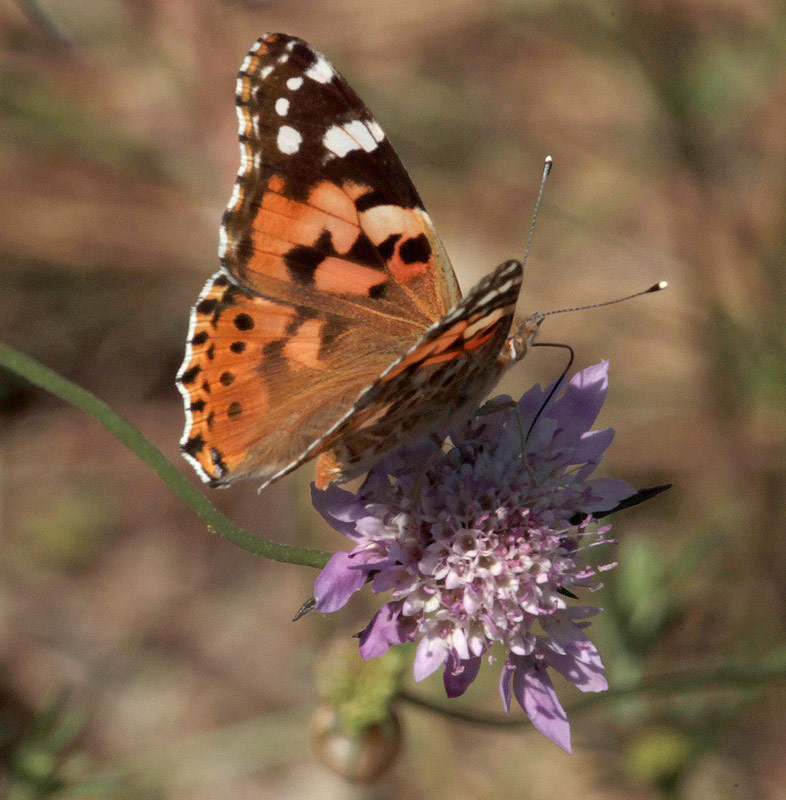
(335, 327)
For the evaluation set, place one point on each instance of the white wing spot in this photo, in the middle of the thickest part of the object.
(288, 140)
(265, 71)
(504, 288)
(338, 141)
(282, 106)
(291, 45)
(320, 71)
(235, 191)
(294, 83)
(359, 131)
(376, 131)
(343, 139)
(283, 59)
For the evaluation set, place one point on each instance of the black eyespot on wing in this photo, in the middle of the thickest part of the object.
(363, 252)
(388, 247)
(414, 250)
(243, 322)
(375, 198)
(377, 290)
(328, 335)
(302, 262)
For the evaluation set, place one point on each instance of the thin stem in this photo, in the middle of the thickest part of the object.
(45, 378)
(681, 681)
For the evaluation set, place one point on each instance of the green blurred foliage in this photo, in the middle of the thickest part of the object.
(361, 692)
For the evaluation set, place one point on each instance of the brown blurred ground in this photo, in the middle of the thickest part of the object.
(667, 122)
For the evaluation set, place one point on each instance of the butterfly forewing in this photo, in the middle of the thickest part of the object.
(322, 203)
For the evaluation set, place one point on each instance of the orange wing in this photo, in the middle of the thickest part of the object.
(262, 380)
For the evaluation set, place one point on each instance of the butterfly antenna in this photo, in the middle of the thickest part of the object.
(546, 170)
(655, 288)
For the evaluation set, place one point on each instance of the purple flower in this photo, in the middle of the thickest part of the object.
(479, 544)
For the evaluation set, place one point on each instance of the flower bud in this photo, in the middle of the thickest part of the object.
(360, 755)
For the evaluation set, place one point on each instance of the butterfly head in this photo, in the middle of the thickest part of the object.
(524, 333)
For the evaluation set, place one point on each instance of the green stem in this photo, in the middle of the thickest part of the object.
(45, 378)
(734, 677)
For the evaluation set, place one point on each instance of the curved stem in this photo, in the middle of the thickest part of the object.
(681, 681)
(45, 378)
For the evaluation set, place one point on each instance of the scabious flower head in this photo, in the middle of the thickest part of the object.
(480, 543)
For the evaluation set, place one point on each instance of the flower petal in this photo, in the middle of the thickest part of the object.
(339, 508)
(397, 578)
(431, 654)
(535, 693)
(338, 581)
(584, 676)
(530, 403)
(582, 401)
(592, 446)
(387, 628)
(459, 674)
(605, 493)
(504, 682)
(576, 658)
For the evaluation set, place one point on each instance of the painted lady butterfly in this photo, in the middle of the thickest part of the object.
(335, 326)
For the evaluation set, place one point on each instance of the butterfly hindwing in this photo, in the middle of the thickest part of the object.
(263, 379)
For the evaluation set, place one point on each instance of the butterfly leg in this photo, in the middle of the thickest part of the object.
(438, 441)
(524, 433)
(492, 407)
(328, 470)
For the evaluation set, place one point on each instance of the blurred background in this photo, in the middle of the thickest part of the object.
(138, 646)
